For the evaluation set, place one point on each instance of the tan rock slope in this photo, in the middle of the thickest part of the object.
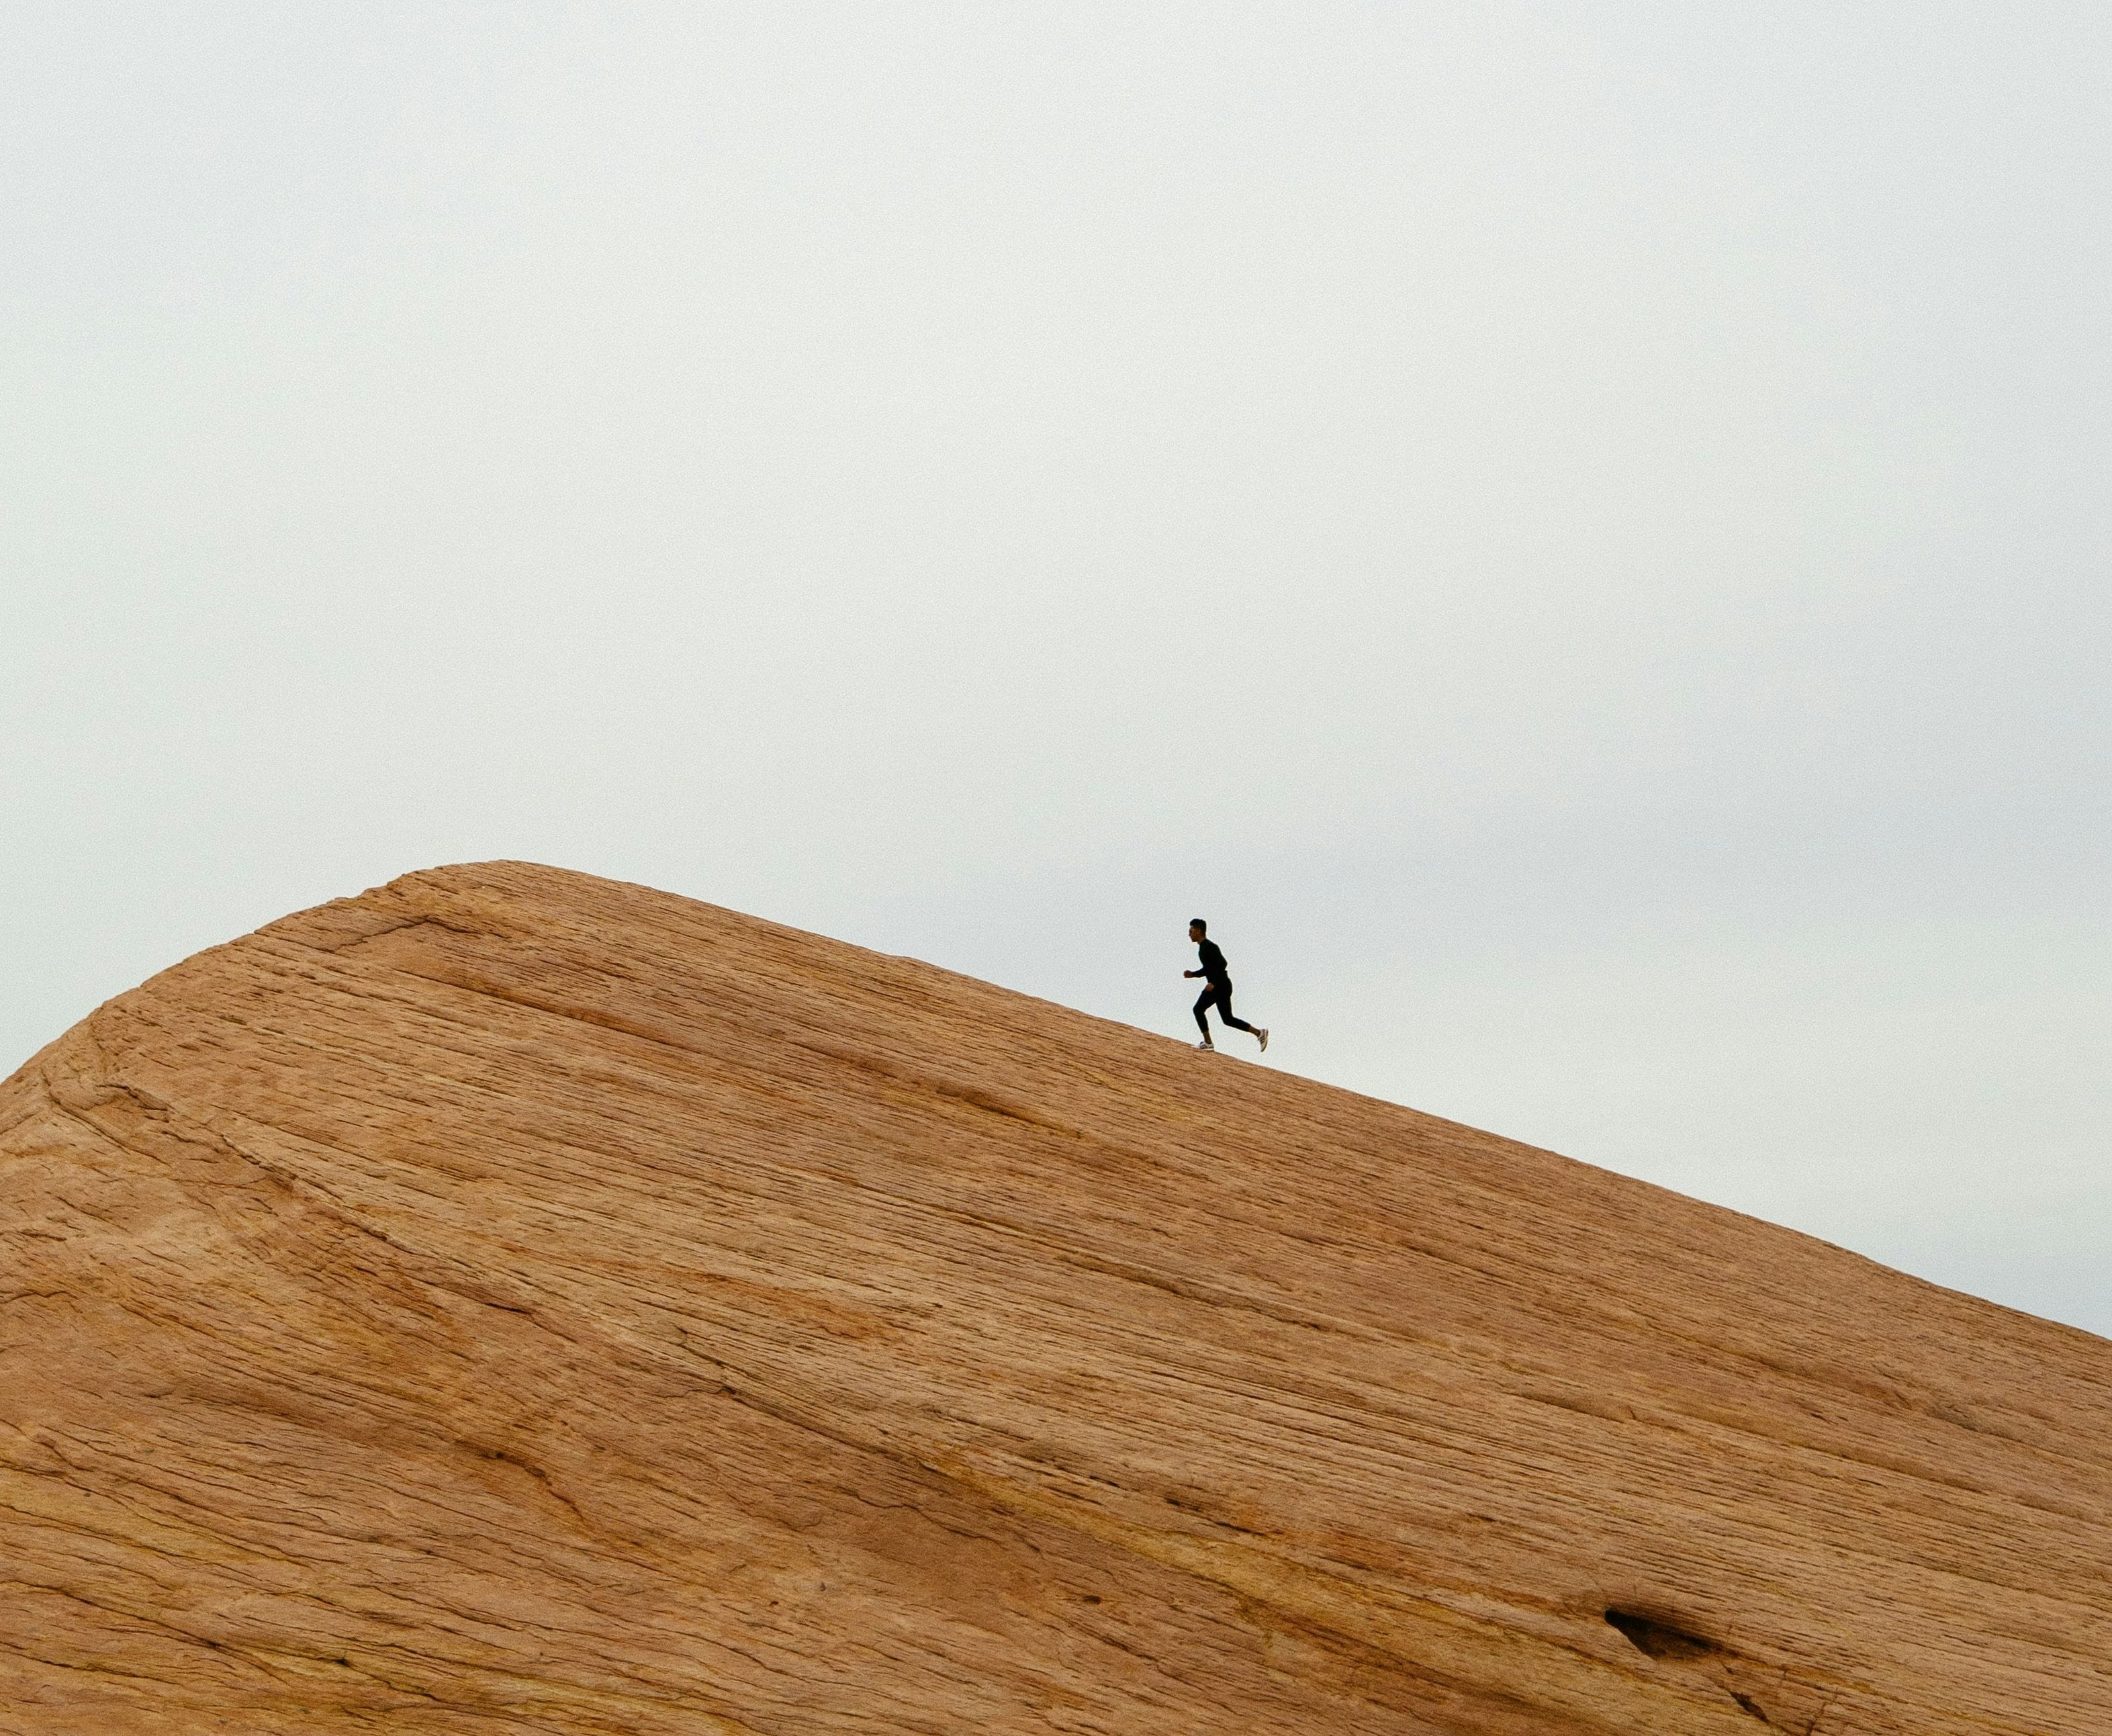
(511, 1302)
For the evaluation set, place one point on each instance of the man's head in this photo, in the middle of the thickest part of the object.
(1197, 927)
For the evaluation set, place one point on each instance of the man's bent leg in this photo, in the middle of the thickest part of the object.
(1201, 1006)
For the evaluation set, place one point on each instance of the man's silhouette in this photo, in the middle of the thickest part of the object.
(1218, 990)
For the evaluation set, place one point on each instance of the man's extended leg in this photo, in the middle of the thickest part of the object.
(1225, 1012)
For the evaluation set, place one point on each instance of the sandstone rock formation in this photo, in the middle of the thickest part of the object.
(511, 1302)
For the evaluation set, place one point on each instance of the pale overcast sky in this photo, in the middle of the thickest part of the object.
(1576, 534)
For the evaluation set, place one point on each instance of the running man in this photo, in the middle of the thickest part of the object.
(1217, 988)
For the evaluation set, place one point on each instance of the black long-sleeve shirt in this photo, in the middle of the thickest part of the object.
(1214, 970)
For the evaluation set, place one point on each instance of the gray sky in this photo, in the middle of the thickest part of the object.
(1577, 535)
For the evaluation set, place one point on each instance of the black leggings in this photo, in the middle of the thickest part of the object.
(1220, 996)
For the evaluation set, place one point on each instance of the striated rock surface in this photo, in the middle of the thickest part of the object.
(512, 1301)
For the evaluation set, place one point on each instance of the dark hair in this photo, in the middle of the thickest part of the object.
(1197, 921)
